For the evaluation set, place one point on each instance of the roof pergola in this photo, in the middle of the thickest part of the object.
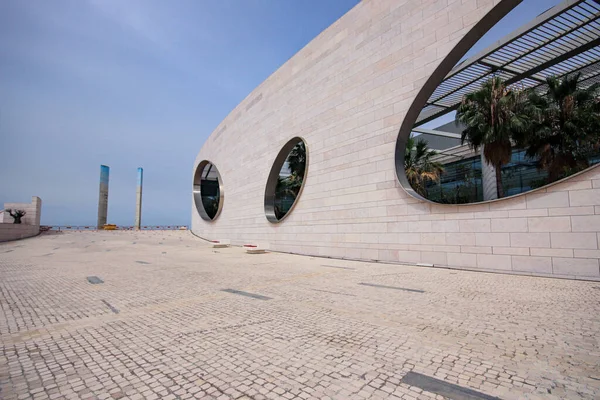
(563, 40)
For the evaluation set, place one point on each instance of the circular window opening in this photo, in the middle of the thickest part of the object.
(208, 191)
(286, 180)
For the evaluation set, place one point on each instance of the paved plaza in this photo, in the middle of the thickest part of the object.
(177, 319)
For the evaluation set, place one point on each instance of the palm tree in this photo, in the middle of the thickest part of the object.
(493, 116)
(566, 127)
(419, 166)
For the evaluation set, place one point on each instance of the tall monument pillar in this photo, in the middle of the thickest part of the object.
(103, 196)
(138, 206)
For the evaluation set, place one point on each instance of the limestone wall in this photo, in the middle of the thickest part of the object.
(10, 231)
(30, 223)
(346, 94)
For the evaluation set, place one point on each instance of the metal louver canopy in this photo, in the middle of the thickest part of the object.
(563, 40)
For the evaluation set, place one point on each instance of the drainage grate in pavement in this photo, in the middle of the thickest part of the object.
(94, 280)
(442, 388)
(113, 309)
(392, 287)
(335, 266)
(254, 296)
(142, 262)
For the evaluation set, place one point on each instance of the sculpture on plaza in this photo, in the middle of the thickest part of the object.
(17, 215)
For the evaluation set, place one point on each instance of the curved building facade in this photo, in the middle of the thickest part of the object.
(349, 96)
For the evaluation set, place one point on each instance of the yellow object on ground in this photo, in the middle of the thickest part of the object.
(110, 227)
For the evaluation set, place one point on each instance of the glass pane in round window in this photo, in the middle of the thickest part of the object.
(207, 190)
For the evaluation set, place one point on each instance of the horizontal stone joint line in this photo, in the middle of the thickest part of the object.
(392, 287)
(392, 274)
(442, 388)
(242, 293)
(329, 291)
(335, 266)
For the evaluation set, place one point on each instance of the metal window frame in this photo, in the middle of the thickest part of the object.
(564, 39)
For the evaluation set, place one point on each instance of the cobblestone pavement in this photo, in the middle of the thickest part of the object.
(160, 326)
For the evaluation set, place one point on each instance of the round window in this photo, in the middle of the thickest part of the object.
(208, 191)
(286, 180)
(484, 127)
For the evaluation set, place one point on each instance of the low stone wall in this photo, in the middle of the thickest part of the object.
(17, 231)
(30, 225)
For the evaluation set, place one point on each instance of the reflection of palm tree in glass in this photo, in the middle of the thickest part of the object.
(211, 205)
(210, 191)
(297, 160)
(288, 186)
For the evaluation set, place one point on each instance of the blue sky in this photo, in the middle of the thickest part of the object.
(138, 83)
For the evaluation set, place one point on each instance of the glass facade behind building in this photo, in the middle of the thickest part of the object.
(461, 182)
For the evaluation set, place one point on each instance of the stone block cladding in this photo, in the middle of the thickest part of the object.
(346, 94)
(10, 231)
(30, 223)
